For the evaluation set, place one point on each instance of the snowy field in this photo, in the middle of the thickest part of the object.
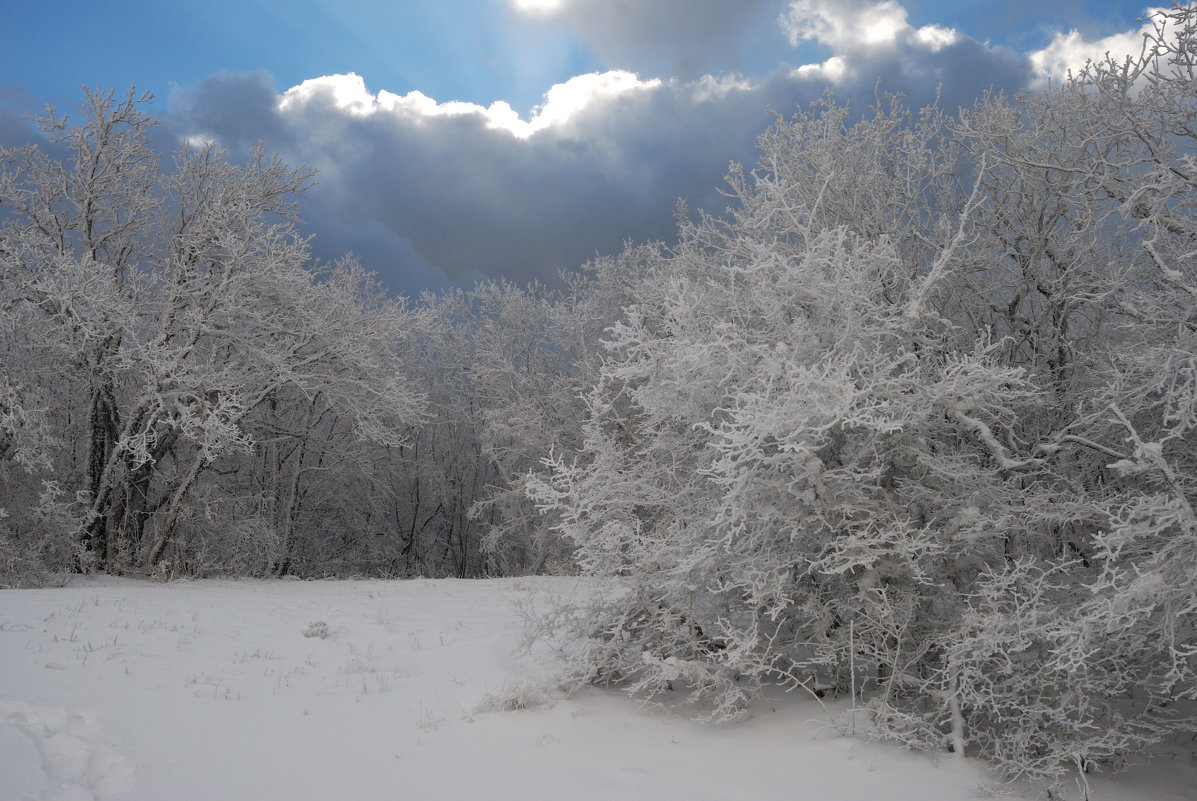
(226, 690)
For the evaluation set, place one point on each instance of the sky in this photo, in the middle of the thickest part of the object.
(461, 140)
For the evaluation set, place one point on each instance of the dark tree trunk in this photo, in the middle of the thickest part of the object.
(103, 425)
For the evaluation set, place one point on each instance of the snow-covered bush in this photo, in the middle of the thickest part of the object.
(876, 433)
(317, 629)
(787, 472)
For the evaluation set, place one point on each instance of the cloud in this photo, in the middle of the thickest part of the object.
(862, 29)
(1069, 52)
(875, 48)
(423, 190)
(562, 102)
(845, 27)
(475, 190)
(429, 192)
(234, 109)
(681, 38)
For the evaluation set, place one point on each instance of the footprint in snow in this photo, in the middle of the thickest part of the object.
(50, 753)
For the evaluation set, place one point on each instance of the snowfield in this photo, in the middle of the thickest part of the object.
(123, 689)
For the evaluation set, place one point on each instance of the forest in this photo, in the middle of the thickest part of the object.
(914, 421)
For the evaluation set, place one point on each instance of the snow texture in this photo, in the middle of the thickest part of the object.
(120, 689)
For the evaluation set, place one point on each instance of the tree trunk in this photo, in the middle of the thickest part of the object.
(173, 508)
(103, 423)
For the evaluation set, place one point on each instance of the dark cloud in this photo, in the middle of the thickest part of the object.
(411, 193)
(236, 108)
(419, 191)
(430, 195)
(957, 73)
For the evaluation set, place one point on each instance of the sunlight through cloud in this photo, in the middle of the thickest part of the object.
(562, 102)
(538, 7)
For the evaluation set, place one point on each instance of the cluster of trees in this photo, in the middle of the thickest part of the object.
(914, 422)
(186, 392)
(917, 422)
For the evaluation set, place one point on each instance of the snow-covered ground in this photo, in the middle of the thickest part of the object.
(225, 690)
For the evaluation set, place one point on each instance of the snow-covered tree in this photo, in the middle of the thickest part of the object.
(167, 309)
(786, 469)
(1094, 654)
(916, 421)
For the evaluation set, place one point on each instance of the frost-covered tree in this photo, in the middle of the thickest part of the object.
(1094, 653)
(916, 421)
(787, 470)
(536, 353)
(151, 317)
(505, 367)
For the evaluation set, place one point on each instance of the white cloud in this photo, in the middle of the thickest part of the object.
(565, 100)
(198, 141)
(1070, 51)
(935, 38)
(841, 25)
(562, 102)
(832, 70)
(348, 93)
(883, 25)
(857, 32)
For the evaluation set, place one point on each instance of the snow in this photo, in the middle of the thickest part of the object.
(124, 689)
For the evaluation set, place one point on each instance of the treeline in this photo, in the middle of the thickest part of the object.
(185, 392)
(914, 421)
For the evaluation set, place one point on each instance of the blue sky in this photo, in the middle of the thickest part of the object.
(463, 139)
